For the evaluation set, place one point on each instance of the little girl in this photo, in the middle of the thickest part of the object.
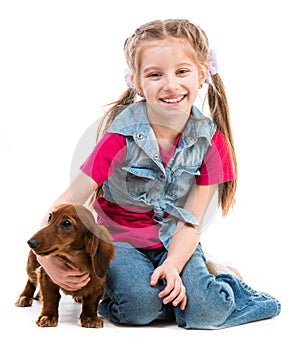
(154, 171)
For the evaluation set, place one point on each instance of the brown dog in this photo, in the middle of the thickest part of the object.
(71, 233)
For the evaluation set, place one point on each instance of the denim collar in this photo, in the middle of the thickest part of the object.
(133, 121)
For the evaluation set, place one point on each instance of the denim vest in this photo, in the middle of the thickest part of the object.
(143, 182)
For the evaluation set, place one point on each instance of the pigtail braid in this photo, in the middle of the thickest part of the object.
(219, 108)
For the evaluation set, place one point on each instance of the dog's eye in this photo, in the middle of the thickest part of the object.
(49, 217)
(66, 224)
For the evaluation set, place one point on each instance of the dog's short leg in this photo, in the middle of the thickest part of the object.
(50, 301)
(88, 317)
(26, 297)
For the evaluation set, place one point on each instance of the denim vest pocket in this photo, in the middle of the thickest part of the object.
(182, 181)
(143, 184)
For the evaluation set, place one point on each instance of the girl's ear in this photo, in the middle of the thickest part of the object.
(202, 74)
(136, 84)
(132, 79)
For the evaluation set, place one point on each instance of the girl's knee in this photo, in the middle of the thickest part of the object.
(134, 308)
(204, 318)
(209, 309)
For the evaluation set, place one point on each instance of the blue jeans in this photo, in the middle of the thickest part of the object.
(213, 301)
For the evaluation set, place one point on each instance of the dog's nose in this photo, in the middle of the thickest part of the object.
(33, 243)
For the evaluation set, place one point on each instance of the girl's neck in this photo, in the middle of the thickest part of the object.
(167, 125)
(164, 133)
(166, 137)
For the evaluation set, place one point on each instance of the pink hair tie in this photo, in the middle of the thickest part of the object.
(212, 66)
(128, 78)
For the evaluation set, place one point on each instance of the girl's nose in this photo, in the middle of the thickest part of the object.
(170, 83)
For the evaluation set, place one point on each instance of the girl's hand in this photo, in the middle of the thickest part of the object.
(174, 291)
(64, 274)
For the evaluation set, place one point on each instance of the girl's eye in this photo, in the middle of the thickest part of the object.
(66, 224)
(49, 217)
(154, 75)
(182, 71)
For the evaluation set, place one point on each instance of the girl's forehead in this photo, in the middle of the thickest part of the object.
(169, 42)
(176, 46)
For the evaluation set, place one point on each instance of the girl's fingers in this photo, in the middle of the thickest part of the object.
(181, 298)
(154, 278)
(171, 290)
(167, 290)
(76, 282)
(183, 303)
(174, 290)
(177, 294)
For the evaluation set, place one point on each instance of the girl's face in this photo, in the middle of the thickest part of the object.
(169, 74)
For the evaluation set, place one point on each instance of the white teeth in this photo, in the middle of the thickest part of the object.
(173, 100)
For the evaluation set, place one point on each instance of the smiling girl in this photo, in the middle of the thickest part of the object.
(156, 168)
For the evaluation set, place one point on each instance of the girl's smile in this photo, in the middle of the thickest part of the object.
(173, 99)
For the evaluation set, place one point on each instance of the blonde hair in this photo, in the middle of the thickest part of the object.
(217, 100)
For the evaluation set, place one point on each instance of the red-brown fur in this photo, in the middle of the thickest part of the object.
(84, 244)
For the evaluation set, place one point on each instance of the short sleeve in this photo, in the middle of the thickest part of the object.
(109, 152)
(217, 166)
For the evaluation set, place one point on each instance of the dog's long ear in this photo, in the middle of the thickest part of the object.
(91, 245)
(100, 251)
(104, 252)
(98, 242)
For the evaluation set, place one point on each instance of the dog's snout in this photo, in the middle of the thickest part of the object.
(33, 243)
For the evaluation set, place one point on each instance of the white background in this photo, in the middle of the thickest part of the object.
(61, 62)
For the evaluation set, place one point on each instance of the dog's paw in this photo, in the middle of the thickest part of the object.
(47, 321)
(91, 322)
(24, 301)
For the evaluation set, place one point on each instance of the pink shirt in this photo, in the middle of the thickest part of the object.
(127, 223)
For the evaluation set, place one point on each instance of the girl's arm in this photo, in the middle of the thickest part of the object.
(61, 273)
(182, 246)
(187, 237)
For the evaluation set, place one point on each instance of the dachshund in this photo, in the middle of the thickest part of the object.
(72, 234)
